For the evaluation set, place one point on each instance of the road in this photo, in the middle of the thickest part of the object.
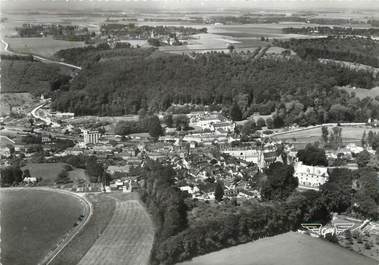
(48, 121)
(39, 58)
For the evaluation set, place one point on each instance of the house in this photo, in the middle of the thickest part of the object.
(30, 179)
(310, 177)
(113, 169)
(223, 126)
(190, 190)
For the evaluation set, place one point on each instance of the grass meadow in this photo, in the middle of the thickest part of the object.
(285, 249)
(33, 222)
(47, 171)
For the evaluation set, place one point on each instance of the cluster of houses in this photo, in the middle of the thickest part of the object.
(211, 153)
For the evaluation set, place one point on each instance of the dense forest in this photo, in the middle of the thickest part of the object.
(124, 81)
(22, 74)
(351, 49)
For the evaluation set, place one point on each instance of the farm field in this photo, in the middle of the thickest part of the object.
(350, 134)
(103, 208)
(47, 171)
(286, 249)
(127, 239)
(45, 47)
(33, 222)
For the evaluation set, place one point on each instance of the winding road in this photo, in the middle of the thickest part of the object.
(39, 58)
(48, 121)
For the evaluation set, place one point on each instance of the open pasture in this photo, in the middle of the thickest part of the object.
(33, 222)
(45, 47)
(47, 171)
(285, 249)
(127, 239)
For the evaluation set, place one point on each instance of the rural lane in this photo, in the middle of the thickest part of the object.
(39, 58)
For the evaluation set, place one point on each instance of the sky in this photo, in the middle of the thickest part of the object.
(189, 4)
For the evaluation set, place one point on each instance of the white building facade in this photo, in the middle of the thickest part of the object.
(310, 177)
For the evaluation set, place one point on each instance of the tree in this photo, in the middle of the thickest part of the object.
(168, 120)
(364, 139)
(261, 123)
(219, 191)
(154, 127)
(312, 155)
(26, 174)
(278, 122)
(63, 178)
(231, 48)
(280, 182)
(363, 158)
(11, 175)
(270, 123)
(94, 169)
(248, 128)
(181, 122)
(235, 113)
(324, 134)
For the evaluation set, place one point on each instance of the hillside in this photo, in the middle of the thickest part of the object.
(290, 249)
(110, 85)
(29, 76)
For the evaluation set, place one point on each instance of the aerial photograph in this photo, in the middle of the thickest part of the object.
(189, 132)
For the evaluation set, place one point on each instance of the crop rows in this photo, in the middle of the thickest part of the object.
(127, 239)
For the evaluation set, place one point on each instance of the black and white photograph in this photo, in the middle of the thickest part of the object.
(189, 132)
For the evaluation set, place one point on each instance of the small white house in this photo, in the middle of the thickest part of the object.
(30, 179)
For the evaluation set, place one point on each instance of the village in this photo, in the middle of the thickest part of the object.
(212, 152)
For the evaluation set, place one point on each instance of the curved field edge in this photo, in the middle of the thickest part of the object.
(83, 208)
(128, 238)
(285, 249)
(103, 209)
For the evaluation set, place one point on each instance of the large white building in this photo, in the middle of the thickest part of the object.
(310, 177)
(91, 137)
